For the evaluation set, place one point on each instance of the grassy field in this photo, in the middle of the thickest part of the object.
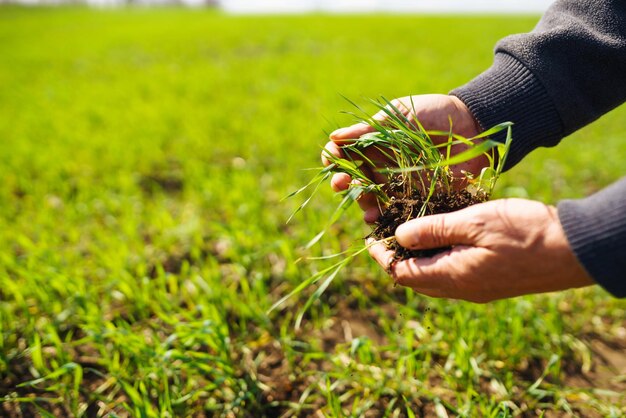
(143, 158)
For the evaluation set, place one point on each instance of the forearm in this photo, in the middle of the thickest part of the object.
(565, 74)
(596, 230)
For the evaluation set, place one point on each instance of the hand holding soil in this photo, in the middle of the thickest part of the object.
(499, 249)
(434, 112)
(398, 170)
(465, 249)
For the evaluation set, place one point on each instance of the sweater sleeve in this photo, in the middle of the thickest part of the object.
(566, 73)
(596, 231)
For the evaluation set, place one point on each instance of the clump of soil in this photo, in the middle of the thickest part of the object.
(402, 209)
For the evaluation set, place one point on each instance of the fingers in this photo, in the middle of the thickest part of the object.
(344, 135)
(340, 181)
(383, 114)
(443, 230)
(425, 273)
(417, 273)
(368, 202)
(330, 149)
(434, 276)
(383, 256)
(371, 214)
(375, 156)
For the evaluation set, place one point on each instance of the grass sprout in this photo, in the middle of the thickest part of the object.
(412, 160)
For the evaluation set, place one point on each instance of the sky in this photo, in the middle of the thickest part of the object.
(364, 6)
(348, 6)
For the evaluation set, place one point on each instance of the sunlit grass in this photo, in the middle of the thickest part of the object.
(144, 155)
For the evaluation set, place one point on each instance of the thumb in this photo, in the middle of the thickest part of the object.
(437, 231)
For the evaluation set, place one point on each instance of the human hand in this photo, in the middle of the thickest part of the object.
(500, 249)
(434, 112)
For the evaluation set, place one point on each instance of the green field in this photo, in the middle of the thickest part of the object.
(144, 154)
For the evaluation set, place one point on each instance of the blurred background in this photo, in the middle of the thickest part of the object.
(145, 153)
(333, 6)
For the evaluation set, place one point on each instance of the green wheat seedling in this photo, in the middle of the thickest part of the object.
(413, 164)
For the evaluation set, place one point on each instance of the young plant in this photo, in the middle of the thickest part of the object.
(419, 181)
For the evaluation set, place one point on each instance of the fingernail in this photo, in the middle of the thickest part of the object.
(338, 132)
(401, 235)
(400, 230)
(390, 267)
(371, 215)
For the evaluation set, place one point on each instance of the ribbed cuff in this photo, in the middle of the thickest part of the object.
(509, 92)
(596, 230)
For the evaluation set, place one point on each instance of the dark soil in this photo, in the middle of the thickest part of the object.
(402, 209)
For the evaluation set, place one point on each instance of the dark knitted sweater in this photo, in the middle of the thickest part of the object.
(566, 73)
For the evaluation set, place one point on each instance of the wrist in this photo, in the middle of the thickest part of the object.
(468, 122)
(577, 275)
(510, 92)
